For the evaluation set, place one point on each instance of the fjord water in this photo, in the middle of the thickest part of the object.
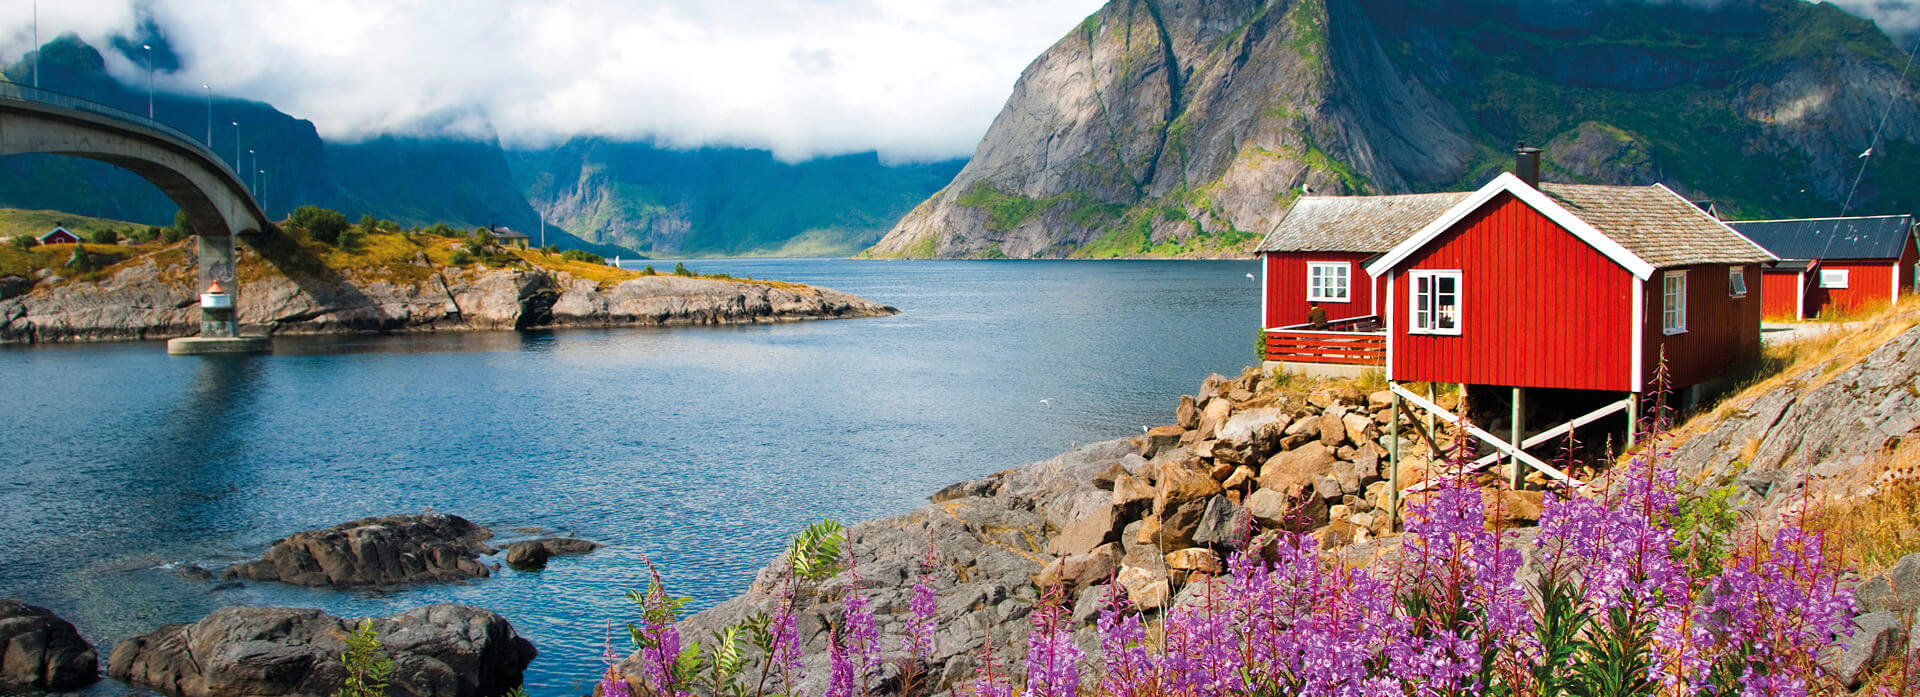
(701, 449)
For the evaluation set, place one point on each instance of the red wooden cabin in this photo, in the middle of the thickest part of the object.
(1571, 286)
(1844, 264)
(1318, 253)
(59, 235)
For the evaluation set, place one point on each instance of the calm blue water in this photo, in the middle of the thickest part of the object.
(701, 448)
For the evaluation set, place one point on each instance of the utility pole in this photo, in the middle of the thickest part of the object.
(209, 89)
(236, 147)
(36, 44)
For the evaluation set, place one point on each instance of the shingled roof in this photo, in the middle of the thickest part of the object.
(1368, 224)
(1657, 225)
(1867, 237)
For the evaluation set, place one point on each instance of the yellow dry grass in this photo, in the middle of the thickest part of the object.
(1874, 515)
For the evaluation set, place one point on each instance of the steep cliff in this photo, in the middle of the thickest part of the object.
(1185, 127)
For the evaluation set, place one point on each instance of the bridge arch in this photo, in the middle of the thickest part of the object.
(196, 179)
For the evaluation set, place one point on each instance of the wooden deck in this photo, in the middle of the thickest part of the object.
(1359, 341)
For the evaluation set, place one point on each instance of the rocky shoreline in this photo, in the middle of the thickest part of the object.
(153, 297)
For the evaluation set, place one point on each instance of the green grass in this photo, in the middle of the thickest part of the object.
(15, 222)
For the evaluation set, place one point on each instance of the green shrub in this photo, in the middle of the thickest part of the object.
(582, 256)
(368, 667)
(440, 229)
(649, 271)
(368, 223)
(171, 235)
(460, 257)
(80, 260)
(680, 269)
(182, 224)
(23, 242)
(322, 224)
(106, 236)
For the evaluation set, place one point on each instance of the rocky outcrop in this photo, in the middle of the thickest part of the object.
(533, 554)
(40, 651)
(152, 297)
(1816, 428)
(1144, 518)
(1187, 126)
(384, 551)
(437, 651)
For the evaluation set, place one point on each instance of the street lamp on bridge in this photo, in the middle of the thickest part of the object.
(149, 49)
(255, 159)
(236, 147)
(209, 89)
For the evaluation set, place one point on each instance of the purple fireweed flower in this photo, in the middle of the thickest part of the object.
(1464, 577)
(1780, 607)
(918, 641)
(841, 671)
(1123, 648)
(1053, 661)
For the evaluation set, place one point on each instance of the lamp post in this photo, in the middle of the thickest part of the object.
(209, 89)
(236, 147)
(259, 176)
(253, 159)
(149, 49)
(36, 44)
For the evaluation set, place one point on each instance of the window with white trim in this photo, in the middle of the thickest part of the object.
(1329, 281)
(1737, 281)
(1833, 278)
(1435, 302)
(1673, 302)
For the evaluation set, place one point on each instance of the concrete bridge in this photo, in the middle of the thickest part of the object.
(214, 198)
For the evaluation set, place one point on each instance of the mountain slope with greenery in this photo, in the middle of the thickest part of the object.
(721, 201)
(1169, 127)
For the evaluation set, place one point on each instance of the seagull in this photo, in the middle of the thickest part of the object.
(1048, 401)
(1143, 428)
(1250, 277)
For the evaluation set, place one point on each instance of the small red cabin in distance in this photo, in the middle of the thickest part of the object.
(1570, 286)
(59, 235)
(1846, 264)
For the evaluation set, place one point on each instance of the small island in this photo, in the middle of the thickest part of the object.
(320, 275)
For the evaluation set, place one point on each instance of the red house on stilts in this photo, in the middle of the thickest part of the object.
(1570, 291)
(1844, 264)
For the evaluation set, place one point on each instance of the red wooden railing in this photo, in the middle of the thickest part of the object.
(1355, 341)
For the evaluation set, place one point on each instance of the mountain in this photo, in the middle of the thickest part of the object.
(1188, 126)
(721, 201)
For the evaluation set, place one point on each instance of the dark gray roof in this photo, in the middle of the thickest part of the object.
(1873, 237)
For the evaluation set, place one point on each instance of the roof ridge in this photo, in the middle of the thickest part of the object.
(1835, 217)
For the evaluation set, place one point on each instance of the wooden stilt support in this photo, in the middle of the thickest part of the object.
(1393, 459)
(1633, 419)
(1519, 429)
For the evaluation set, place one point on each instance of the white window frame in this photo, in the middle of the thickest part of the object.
(1834, 278)
(1426, 321)
(1736, 281)
(1673, 302)
(1341, 270)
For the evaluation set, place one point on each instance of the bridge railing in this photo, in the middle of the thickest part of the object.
(17, 91)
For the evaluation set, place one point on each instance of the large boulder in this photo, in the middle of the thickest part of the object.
(1876, 636)
(384, 551)
(533, 554)
(1896, 590)
(40, 651)
(437, 651)
(1296, 467)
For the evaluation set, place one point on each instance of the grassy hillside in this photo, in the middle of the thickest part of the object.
(15, 222)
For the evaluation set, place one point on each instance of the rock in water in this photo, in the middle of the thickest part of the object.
(437, 651)
(384, 551)
(533, 554)
(40, 651)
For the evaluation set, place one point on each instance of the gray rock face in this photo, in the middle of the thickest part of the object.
(437, 651)
(40, 651)
(1817, 428)
(1876, 636)
(153, 298)
(383, 551)
(533, 554)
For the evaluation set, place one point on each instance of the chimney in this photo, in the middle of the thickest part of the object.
(1526, 164)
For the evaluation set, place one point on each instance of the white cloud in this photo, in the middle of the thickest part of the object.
(914, 79)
